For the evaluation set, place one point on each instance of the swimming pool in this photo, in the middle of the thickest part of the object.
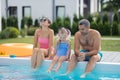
(19, 69)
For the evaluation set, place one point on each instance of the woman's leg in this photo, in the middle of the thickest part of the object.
(34, 58)
(61, 59)
(55, 59)
(40, 58)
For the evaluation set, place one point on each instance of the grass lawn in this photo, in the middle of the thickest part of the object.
(107, 45)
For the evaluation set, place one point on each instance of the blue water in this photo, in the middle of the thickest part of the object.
(24, 72)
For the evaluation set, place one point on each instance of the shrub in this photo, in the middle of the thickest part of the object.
(36, 23)
(23, 32)
(29, 22)
(59, 22)
(90, 18)
(115, 18)
(67, 23)
(10, 32)
(3, 23)
(119, 29)
(12, 21)
(94, 25)
(54, 27)
(100, 27)
(115, 28)
(98, 18)
(22, 23)
(106, 28)
(31, 31)
(81, 17)
(74, 28)
(105, 18)
(75, 18)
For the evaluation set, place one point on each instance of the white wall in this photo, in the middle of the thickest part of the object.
(0, 16)
(70, 5)
(93, 6)
(3, 8)
(39, 8)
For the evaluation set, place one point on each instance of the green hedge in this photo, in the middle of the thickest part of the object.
(12, 21)
(31, 31)
(9, 32)
(3, 23)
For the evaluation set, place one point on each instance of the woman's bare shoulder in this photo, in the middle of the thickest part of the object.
(51, 31)
(37, 30)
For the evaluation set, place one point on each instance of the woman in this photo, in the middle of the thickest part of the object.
(43, 43)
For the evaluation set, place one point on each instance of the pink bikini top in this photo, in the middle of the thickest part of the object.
(43, 42)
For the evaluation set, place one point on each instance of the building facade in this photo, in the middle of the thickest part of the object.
(47, 8)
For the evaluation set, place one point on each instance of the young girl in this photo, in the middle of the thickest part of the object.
(62, 50)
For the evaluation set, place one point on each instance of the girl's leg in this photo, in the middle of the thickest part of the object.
(61, 59)
(55, 59)
(34, 58)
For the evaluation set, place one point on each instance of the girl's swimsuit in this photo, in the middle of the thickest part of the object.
(62, 49)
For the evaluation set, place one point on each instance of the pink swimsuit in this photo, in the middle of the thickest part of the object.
(44, 42)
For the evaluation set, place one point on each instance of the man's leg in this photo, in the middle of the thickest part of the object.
(90, 65)
(72, 63)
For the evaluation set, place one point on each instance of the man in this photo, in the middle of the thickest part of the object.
(90, 41)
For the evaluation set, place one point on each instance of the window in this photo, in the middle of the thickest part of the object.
(12, 11)
(60, 11)
(26, 11)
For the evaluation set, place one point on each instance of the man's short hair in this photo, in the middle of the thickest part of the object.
(84, 22)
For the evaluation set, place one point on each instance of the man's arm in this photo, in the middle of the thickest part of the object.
(77, 44)
(96, 45)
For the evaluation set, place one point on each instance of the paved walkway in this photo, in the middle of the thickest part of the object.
(110, 38)
(110, 56)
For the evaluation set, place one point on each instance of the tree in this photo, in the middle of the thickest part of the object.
(112, 5)
(36, 23)
(67, 23)
(3, 23)
(102, 3)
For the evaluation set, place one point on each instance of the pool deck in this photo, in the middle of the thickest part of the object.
(110, 56)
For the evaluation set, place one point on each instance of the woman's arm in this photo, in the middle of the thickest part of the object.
(35, 39)
(51, 43)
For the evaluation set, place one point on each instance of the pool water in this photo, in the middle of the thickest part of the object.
(24, 72)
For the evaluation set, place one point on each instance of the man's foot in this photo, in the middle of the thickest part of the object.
(84, 75)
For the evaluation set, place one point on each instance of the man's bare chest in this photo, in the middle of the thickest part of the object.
(86, 41)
